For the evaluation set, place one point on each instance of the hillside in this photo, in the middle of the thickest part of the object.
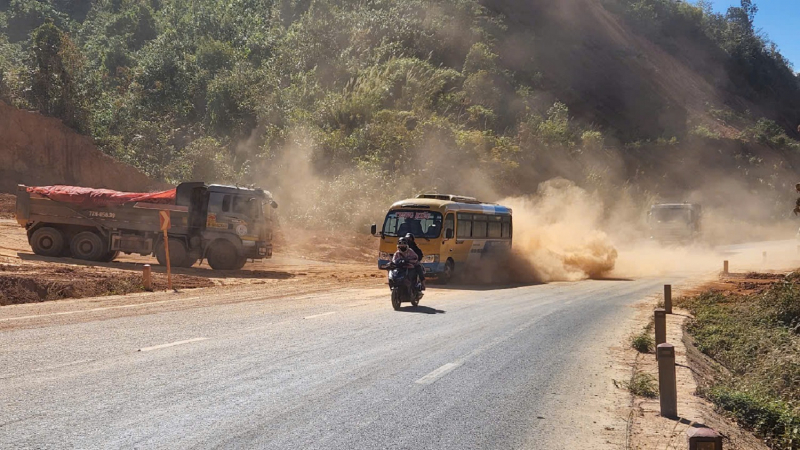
(38, 150)
(343, 105)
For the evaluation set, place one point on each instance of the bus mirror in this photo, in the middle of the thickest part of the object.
(448, 233)
(274, 204)
(373, 229)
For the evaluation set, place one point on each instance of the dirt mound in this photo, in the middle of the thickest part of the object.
(39, 150)
(326, 245)
(8, 204)
(30, 284)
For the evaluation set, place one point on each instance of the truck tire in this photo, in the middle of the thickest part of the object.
(177, 253)
(242, 261)
(223, 256)
(88, 245)
(47, 241)
(188, 262)
(110, 256)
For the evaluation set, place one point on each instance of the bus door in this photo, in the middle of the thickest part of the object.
(448, 245)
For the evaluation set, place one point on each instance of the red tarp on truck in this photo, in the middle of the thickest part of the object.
(88, 197)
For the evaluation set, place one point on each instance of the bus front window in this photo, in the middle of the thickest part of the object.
(422, 224)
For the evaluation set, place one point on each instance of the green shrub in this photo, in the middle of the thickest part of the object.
(642, 384)
(643, 342)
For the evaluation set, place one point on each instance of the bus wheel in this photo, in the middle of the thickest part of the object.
(88, 245)
(177, 253)
(447, 275)
(223, 256)
(47, 241)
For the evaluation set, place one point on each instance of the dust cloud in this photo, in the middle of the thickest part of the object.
(557, 233)
(564, 231)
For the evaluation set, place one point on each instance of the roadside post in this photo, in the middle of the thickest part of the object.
(704, 439)
(668, 298)
(667, 383)
(764, 257)
(147, 278)
(725, 267)
(164, 219)
(660, 318)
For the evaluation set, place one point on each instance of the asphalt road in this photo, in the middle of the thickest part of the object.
(521, 367)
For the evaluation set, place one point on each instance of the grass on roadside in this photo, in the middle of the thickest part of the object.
(643, 342)
(641, 384)
(756, 338)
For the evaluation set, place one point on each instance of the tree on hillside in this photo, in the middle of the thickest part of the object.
(56, 64)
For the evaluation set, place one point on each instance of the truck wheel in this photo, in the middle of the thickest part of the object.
(177, 253)
(110, 256)
(223, 256)
(188, 262)
(47, 241)
(88, 245)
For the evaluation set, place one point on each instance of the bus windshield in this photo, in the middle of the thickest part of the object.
(422, 224)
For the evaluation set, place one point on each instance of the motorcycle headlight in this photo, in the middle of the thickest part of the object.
(384, 255)
(430, 259)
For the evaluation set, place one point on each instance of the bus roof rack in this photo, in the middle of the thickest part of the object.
(452, 198)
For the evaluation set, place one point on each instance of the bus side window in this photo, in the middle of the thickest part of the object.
(449, 224)
(464, 227)
(506, 230)
(479, 225)
(495, 227)
(226, 203)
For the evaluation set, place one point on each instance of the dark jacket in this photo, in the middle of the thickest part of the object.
(413, 246)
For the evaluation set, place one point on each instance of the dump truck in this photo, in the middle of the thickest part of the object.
(225, 225)
(674, 222)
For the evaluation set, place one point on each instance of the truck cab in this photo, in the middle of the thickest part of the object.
(233, 213)
(674, 222)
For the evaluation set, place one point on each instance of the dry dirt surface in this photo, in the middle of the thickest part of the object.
(8, 203)
(647, 429)
(336, 262)
(37, 150)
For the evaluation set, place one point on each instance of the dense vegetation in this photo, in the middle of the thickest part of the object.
(371, 93)
(757, 339)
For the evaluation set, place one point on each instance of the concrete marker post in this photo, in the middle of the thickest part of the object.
(668, 298)
(725, 267)
(147, 278)
(703, 439)
(667, 382)
(660, 318)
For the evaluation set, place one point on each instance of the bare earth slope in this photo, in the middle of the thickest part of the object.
(40, 150)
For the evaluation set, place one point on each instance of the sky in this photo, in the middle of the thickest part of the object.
(779, 20)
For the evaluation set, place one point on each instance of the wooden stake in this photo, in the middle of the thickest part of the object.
(169, 269)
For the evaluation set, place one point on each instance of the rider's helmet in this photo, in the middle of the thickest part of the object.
(402, 244)
(410, 238)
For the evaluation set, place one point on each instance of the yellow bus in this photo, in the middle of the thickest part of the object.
(452, 231)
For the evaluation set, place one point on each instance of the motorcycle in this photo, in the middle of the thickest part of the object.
(403, 283)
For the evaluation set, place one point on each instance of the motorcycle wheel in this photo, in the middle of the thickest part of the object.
(415, 302)
(396, 299)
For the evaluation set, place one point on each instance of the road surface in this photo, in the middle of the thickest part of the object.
(519, 367)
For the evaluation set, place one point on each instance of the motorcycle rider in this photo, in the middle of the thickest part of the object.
(404, 253)
(412, 244)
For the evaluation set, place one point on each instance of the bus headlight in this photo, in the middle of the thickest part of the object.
(384, 256)
(430, 259)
